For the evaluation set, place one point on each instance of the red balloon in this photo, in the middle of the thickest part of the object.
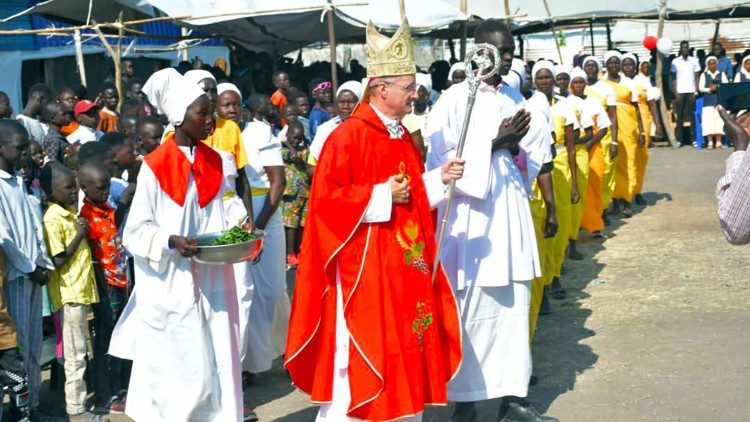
(650, 42)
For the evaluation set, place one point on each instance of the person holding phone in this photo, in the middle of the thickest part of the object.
(733, 190)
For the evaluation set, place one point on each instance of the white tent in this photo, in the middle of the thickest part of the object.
(270, 25)
(533, 10)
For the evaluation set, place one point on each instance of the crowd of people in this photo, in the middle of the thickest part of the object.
(101, 198)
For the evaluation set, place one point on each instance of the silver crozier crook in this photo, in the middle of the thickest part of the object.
(487, 59)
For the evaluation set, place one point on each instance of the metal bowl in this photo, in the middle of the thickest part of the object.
(229, 254)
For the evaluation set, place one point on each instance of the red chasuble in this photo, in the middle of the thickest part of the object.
(172, 170)
(405, 335)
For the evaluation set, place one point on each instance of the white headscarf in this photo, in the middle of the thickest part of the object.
(591, 59)
(611, 53)
(456, 67)
(425, 80)
(577, 72)
(630, 56)
(352, 86)
(519, 66)
(171, 94)
(542, 64)
(562, 68)
(742, 66)
(197, 75)
(513, 80)
(226, 86)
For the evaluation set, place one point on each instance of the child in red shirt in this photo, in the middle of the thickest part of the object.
(110, 269)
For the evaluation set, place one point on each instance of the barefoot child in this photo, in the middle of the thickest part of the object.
(294, 200)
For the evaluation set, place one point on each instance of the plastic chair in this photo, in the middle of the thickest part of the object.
(698, 119)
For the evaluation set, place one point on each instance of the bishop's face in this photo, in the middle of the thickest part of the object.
(401, 94)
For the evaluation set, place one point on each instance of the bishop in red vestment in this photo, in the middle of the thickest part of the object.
(404, 341)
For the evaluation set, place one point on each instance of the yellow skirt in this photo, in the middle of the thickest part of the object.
(594, 206)
(539, 214)
(562, 182)
(582, 164)
(641, 154)
(625, 170)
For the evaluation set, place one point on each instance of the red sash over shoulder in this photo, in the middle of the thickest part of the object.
(172, 169)
(405, 335)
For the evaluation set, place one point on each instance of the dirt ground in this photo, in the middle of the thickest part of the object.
(655, 326)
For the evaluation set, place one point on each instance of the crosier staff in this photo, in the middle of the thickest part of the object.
(487, 58)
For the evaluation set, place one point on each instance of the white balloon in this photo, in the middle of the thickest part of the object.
(664, 45)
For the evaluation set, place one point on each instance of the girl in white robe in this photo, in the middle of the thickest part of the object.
(180, 326)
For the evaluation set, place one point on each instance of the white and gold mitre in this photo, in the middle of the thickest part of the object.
(390, 56)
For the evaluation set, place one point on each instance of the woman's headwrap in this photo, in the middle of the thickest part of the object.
(456, 67)
(577, 72)
(171, 94)
(562, 68)
(709, 58)
(197, 75)
(542, 64)
(630, 56)
(591, 59)
(226, 86)
(611, 53)
(425, 80)
(353, 86)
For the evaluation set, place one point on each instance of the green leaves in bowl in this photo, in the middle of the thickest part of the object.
(234, 235)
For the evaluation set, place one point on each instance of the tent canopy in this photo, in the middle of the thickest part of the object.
(268, 25)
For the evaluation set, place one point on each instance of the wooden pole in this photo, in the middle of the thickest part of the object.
(716, 33)
(79, 56)
(554, 32)
(609, 36)
(507, 12)
(118, 62)
(591, 33)
(463, 6)
(521, 48)
(184, 53)
(666, 117)
(332, 43)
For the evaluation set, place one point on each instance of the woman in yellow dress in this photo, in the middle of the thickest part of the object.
(542, 202)
(630, 132)
(563, 78)
(602, 155)
(648, 95)
(564, 174)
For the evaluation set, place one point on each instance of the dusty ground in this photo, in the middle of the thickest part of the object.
(655, 327)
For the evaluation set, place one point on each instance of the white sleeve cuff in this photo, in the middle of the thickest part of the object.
(379, 208)
(433, 183)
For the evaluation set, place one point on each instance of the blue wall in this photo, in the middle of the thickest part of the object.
(34, 42)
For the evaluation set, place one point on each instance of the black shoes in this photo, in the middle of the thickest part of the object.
(464, 412)
(520, 410)
(556, 291)
(640, 200)
(544, 307)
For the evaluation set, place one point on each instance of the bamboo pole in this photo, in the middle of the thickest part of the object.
(666, 117)
(79, 56)
(118, 62)
(332, 45)
(464, 7)
(554, 32)
(507, 12)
